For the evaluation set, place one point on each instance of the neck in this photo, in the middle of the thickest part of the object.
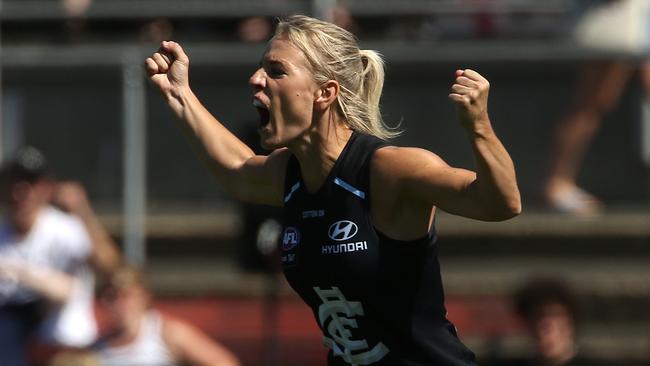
(318, 152)
(22, 222)
(129, 329)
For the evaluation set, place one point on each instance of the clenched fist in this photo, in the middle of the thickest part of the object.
(470, 93)
(168, 69)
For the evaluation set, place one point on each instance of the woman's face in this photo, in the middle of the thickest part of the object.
(284, 94)
(554, 332)
(125, 305)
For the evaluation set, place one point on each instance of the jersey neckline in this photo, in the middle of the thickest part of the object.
(332, 173)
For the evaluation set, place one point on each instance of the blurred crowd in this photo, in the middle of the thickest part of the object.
(54, 255)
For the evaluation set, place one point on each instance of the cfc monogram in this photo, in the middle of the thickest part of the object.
(337, 317)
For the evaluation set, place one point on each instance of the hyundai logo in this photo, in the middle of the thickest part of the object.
(342, 230)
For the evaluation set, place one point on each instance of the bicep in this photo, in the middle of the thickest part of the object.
(449, 188)
(422, 177)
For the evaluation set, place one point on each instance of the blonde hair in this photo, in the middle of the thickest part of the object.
(333, 54)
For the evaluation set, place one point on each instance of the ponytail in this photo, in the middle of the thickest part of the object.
(372, 85)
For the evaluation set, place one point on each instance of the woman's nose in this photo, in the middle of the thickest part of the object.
(258, 80)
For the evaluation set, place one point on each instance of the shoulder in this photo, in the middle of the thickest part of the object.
(397, 163)
(175, 332)
(65, 229)
(190, 344)
(58, 221)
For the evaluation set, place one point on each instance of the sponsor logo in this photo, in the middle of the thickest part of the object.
(338, 318)
(342, 230)
(344, 248)
(290, 238)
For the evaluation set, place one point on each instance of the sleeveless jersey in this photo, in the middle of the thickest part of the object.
(148, 349)
(378, 301)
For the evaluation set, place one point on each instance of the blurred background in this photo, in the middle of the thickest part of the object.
(73, 86)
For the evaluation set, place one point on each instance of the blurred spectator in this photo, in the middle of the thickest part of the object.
(157, 30)
(75, 11)
(340, 15)
(76, 8)
(254, 30)
(548, 308)
(259, 29)
(75, 358)
(137, 334)
(46, 259)
(618, 26)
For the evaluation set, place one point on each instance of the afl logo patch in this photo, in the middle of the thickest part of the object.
(342, 230)
(290, 238)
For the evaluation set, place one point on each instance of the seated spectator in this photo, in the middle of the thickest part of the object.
(137, 334)
(47, 258)
(549, 310)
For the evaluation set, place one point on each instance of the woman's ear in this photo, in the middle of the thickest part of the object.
(326, 94)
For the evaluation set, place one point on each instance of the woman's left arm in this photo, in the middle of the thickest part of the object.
(412, 177)
(495, 187)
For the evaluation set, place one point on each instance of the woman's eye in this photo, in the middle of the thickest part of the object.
(276, 72)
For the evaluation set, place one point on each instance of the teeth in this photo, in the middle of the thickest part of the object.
(258, 104)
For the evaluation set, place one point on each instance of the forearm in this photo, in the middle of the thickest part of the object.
(105, 256)
(53, 285)
(496, 182)
(223, 151)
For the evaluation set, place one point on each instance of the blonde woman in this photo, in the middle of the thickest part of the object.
(359, 242)
(139, 335)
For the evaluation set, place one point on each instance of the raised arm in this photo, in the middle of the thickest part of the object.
(419, 176)
(256, 179)
(105, 256)
(495, 187)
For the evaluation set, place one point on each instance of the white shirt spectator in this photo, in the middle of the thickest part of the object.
(60, 242)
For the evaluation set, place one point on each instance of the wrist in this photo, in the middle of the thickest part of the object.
(479, 128)
(179, 99)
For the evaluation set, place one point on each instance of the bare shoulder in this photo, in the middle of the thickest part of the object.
(397, 163)
(192, 346)
(174, 331)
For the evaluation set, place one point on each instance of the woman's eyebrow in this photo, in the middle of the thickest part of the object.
(272, 61)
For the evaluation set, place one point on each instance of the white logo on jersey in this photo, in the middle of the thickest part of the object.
(342, 230)
(341, 316)
(344, 247)
(290, 238)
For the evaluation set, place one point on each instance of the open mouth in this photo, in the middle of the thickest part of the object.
(263, 111)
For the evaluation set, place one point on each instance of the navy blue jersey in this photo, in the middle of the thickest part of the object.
(378, 301)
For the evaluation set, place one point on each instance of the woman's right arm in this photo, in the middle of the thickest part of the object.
(248, 177)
